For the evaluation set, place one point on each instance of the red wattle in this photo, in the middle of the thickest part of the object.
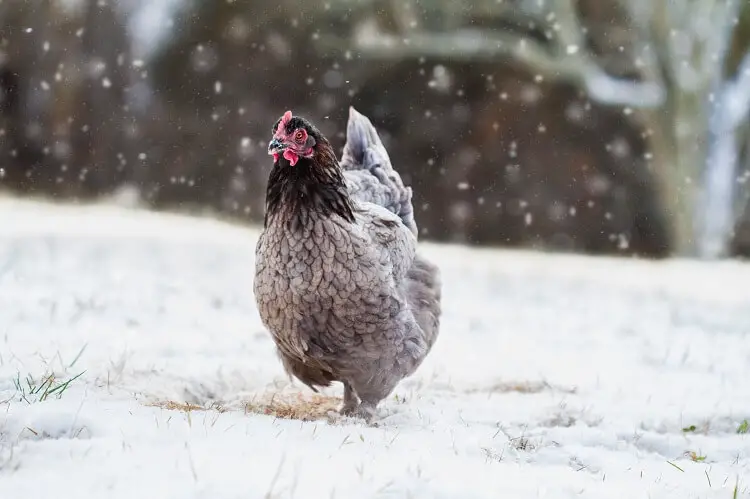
(291, 157)
(275, 157)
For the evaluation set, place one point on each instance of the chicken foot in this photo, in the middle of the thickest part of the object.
(365, 410)
(354, 408)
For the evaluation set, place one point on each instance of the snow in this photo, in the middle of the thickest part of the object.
(555, 375)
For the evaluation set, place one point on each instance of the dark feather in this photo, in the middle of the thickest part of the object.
(313, 184)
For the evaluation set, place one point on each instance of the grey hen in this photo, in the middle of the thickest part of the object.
(338, 282)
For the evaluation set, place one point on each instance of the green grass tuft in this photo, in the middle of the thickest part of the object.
(32, 390)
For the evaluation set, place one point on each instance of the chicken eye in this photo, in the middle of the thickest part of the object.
(299, 136)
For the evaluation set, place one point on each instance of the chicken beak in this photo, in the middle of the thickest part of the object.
(275, 146)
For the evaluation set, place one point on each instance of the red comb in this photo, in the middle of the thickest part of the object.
(284, 120)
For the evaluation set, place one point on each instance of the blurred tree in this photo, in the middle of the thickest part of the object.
(726, 221)
(66, 128)
(98, 134)
(481, 133)
(668, 67)
(597, 125)
(740, 244)
(694, 133)
(665, 60)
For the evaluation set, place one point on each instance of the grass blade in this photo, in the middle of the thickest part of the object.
(670, 462)
(77, 357)
(64, 386)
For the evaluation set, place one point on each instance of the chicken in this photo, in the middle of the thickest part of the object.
(338, 282)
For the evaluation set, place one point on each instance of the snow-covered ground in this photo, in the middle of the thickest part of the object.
(554, 376)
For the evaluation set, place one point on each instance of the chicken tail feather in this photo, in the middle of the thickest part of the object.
(369, 173)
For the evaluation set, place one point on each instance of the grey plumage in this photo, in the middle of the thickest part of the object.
(338, 282)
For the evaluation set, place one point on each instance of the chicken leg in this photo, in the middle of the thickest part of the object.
(354, 408)
(351, 402)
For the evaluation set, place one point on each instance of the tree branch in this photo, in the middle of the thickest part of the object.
(573, 66)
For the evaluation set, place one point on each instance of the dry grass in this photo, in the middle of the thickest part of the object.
(280, 405)
(522, 387)
(171, 405)
(295, 406)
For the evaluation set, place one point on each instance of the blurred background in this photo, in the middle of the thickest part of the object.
(597, 126)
